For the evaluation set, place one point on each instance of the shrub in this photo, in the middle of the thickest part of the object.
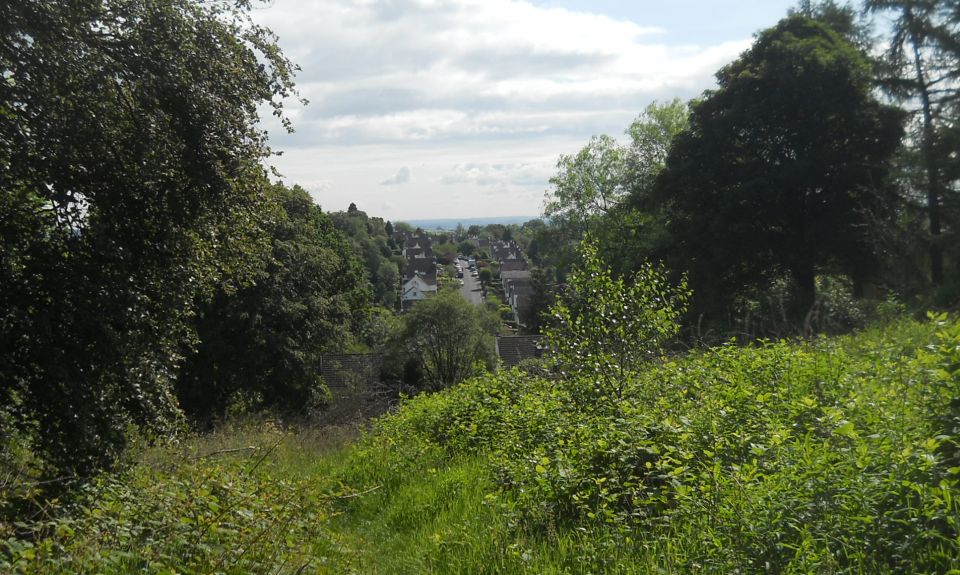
(606, 328)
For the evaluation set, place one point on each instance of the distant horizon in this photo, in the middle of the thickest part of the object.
(451, 223)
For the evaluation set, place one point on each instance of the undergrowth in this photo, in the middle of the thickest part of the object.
(837, 455)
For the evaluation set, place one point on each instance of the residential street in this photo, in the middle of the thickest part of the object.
(471, 286)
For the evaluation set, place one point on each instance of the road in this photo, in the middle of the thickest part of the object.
(471, 286)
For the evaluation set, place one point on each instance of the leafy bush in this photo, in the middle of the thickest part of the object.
(606, 328)
(183, 512)
(782, 457)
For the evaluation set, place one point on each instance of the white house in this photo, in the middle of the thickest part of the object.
(416, 289)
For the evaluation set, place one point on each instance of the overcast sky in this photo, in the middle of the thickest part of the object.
(460, 108)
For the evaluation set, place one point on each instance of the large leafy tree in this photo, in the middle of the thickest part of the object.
(449, 337)
(603, 189)
(260, 346)
(782, 167)
(130, 183)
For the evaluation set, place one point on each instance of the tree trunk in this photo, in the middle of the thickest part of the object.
(929, 157)
(806, 278)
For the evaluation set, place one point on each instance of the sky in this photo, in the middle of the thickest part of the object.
(461, 108)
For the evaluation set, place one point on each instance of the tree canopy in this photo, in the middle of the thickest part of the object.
(782, 167)
(449, 337)
(260, 346)
(131, 182)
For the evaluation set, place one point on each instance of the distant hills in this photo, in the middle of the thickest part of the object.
(451, 223)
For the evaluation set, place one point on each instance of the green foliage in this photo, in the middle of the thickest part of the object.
(779, 457)
(261, 344)
(194, 511)
(371, 244)
(604, 190)
(131, 182)
(446, 253)
(823, 456)
(449, 337)
(943, 360)
(794, 181)
(767, 312)
(605, 328)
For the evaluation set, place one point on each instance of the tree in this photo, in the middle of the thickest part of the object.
(587, 185)
(651, 135)
(262, 343)
(446, 252)
(544, 287)
(604, 328)
(131, 162)
(449, 337)
(791, 181)
(604, 190)
(924, 65)
(466, 247)
(371, 243)
(842, 19)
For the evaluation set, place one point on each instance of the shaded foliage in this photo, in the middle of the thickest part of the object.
(130, 183)
(449, 338)
(371, 243)
(791, 182)
(259, 346)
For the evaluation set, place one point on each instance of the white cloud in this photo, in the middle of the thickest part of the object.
(395, 70)
(503, 176)
(479, 96)
(401, 177)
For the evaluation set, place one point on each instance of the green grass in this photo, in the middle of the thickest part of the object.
(832, 456)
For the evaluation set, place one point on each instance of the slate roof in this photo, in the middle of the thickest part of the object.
(513, 265)
(418, 241)
(513, 349)
(515, 275)
(424, 267)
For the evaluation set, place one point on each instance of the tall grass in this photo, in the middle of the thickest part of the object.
(830, 456)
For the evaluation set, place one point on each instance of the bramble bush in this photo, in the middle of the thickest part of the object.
(830, 455)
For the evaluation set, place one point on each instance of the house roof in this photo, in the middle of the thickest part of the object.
(428, 281)
(423, 267)
(515, 274)
(513, 349)
(513, 265)
(421, 241)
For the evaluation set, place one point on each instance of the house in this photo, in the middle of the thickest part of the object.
(417, 288)
(513, 265)
(503, 251)
(420, 254)
(420, 266)
(507, 276)
(416, 244)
